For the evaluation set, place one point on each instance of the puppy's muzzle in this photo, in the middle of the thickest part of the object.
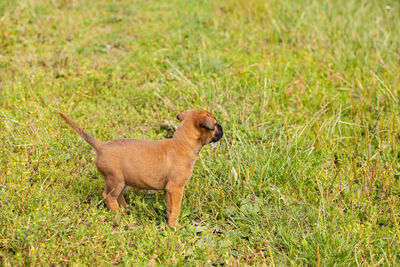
(218, 134)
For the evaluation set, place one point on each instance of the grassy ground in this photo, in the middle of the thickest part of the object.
(307, 91)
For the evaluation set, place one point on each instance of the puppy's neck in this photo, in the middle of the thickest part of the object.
(185, 137)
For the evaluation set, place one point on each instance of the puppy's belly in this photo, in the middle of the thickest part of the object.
(143, 181)
(145, 174)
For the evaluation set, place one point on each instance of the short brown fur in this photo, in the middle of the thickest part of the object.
(146, 164)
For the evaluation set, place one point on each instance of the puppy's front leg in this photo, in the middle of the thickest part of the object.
(174, 200)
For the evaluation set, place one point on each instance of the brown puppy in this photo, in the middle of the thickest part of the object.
(144, 164)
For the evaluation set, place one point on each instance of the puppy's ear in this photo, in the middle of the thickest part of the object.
(181, 116)
(206, 122)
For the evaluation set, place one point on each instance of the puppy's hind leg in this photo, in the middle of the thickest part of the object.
(121, 199)
(114, 187)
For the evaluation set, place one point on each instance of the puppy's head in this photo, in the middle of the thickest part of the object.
(203, 123)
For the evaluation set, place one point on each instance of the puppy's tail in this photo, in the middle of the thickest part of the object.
(91, 140)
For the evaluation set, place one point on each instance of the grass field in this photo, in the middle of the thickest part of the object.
(308, 172)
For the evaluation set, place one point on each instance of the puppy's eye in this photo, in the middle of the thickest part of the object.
(205, 126)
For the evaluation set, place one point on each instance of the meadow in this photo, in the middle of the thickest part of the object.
(308, 172)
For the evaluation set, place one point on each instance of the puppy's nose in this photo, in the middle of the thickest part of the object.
(220, 131)
(218, 134)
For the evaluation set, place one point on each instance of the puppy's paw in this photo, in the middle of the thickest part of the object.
(174, 225)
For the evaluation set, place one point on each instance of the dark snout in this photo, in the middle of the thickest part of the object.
(218, 133)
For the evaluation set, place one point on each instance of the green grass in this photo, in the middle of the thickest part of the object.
(308, 172)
